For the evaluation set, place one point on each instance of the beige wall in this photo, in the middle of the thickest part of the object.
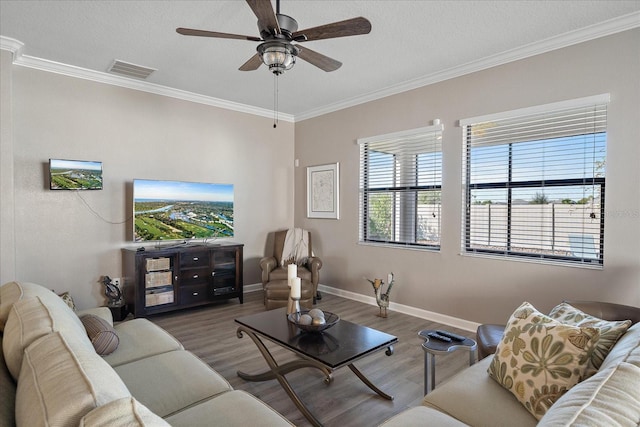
(53, 238)
(59, 241)
(7, 242)
(479, 289)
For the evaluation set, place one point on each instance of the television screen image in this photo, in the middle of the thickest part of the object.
(178, 210)
(75, 175)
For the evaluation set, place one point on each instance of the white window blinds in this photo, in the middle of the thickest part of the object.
(400, 185)
(535, 182)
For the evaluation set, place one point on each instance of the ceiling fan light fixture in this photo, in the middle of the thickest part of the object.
(279, 57)
(278, 31)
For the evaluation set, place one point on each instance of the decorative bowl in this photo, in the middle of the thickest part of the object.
(330, 320)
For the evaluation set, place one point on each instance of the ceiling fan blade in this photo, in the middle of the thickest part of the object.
(252, 64)
(319, 60)
(349, 27)
(203, 33)
(267, 20)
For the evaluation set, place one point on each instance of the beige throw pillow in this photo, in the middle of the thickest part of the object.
(539, 358)
(102, 335)
(610, 332)
(12, 292)
(29, 319)
(61, 380)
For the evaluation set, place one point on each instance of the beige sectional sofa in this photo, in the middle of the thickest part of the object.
(51, 375)
(611, 397)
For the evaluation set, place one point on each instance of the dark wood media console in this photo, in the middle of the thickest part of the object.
(157, 280)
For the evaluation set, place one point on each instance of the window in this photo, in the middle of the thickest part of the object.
(535, 182)
(400, 184)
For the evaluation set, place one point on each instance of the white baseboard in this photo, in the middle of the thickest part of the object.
(252, 288)
(400, 308)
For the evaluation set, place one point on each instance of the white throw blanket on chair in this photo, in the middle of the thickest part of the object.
(296, 247)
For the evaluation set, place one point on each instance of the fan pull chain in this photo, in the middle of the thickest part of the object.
(275, 100)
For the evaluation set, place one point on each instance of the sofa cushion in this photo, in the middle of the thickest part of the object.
(139, 338)
(609, 398)
(282, 273)
(627, 349)
(12, 292)
(9, 294)
(610, 331)
(8, 394)
(420, 416)
(473, 398)
(102, 335)
(167, 382)
(61, 380)
(233, 408)
(30, 319)
(539, 358)
(122, 412)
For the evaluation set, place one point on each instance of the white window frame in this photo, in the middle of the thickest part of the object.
(404, 186)
(573, 258)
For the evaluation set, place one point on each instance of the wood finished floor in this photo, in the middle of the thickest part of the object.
(210, 333)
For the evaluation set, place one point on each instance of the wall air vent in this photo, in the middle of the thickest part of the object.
(130, 70)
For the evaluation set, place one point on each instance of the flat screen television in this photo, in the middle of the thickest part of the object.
(75, 175)
(178, 210)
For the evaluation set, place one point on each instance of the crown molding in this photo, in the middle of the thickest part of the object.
(12, 45)
(606, 28)
(102, 77)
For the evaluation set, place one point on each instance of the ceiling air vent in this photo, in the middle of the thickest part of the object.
(130, 70)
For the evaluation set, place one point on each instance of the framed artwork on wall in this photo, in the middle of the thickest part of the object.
(323, 191)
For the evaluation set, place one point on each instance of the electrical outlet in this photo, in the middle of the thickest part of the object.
(116, 281)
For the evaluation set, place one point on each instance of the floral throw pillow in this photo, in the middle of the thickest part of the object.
(610, 331)
(539, 359)
(66, 297)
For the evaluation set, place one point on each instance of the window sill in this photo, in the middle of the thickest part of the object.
(550, 262)
(401, 246)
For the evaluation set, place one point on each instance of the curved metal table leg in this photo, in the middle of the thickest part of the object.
(369, 383)
(278, 372)
(366, 380)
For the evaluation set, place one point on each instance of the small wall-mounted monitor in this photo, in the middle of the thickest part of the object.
(75, 175)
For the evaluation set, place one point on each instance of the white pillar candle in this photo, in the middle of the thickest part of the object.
(295, 287)
(292, 272)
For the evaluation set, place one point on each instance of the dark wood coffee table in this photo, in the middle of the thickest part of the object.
(336, 347)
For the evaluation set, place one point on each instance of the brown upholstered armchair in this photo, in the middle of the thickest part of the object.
(274, 272)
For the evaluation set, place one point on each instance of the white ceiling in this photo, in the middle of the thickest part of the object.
(412, 43)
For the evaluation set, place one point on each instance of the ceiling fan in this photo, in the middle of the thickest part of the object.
(277, 34)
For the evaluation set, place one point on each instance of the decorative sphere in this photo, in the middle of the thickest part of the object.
(318, 321)
(305, 319)
(316, 312)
